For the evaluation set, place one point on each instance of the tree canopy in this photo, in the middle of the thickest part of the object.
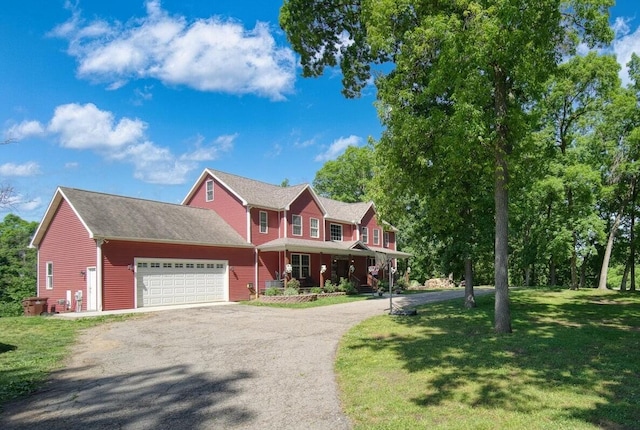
(456, 78)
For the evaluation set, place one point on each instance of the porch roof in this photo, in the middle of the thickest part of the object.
(355, 248)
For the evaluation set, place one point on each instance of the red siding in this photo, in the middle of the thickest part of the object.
(67, 244)
(119, 281)
(348, 232)
(228, 206)
(273, 220)
(307, 207)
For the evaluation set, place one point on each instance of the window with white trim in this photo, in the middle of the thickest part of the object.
(364, 235)
(300, 265)
(386, 239)
(376, 236)
(336, 232)
(296, 221)
(209, 189)
(314, 227)
(49, 275)
(264, 222)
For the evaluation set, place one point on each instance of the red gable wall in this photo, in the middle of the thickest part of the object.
(228, 206)
(67, 244)
(306, 206)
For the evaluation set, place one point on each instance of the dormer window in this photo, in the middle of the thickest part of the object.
(209, 189)
(386, 239)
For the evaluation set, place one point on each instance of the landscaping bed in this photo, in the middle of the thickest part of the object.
(301, 298)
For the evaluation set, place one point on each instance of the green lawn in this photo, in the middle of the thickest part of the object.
(31, 347)
(571, 363)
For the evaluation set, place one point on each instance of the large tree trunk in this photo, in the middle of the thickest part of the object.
(469, 297)
(583, 274)
(602, 285)
(502, 318)
(625, 276)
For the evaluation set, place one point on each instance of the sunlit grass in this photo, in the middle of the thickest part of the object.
(570, 363)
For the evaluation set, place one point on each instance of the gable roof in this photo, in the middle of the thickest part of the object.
(108, 216)
(261, 194)
(347, 212)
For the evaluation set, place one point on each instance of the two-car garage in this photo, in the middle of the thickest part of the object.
(162, 282)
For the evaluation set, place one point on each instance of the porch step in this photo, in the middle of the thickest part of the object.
(365, 289)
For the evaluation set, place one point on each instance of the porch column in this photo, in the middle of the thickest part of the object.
(322, 272)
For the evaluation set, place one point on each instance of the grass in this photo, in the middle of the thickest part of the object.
(571, 363)
(31, 347)
(324, 301)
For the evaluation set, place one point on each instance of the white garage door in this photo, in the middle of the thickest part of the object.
(170, 282)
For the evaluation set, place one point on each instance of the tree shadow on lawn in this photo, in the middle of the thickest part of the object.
(171, 397)
(583, 343)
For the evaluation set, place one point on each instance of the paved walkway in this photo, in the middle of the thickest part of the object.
(220, 367)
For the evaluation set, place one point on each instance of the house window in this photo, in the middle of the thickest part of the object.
(166, 265)
(264, 222)
(386, 239)
(297, 225)
(300, 265)
(365, 235)
(154, 265)
(209, 185)
(200, 266)
(336, 232)
(376, 236)
(49, 275)
(314, 227)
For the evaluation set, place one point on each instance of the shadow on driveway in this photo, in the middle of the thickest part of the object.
(171, 397)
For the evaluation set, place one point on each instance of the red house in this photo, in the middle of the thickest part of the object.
(105, 252)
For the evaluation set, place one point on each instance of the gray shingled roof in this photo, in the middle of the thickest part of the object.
(258, 193)
(348, 212)
(116, 217)
(265, 195)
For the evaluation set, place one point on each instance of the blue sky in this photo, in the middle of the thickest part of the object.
(137, 97)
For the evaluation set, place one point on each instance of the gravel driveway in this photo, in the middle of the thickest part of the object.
(219, 367)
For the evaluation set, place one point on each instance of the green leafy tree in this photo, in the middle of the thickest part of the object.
(475, 65)
(346, 178)
(17, 264)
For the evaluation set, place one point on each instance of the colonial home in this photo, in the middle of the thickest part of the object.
(104, 252)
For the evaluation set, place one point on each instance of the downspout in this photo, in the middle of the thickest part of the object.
(99, 243)
(38, 272)
(248, 224)
(255, 274)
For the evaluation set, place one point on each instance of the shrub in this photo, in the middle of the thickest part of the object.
(290, 291)
(346, 286)
(273, 291)
(316, 290)
(401, 284)
(329, 287)
(293, 283)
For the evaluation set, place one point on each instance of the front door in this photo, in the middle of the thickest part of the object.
(92, 289)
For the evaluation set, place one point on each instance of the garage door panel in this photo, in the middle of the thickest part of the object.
(166, 282)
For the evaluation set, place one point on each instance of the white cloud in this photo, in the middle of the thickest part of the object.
(625, 44)
(24, 130)
(220, 145)
(154, 164)
(87, 127)
(206, 54)
(338, 147)
(22, 203)
(27, 169)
